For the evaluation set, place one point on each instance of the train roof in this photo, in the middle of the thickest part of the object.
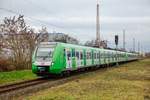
(81, 47)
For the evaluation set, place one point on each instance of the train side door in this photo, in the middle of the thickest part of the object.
(99, 57)
(81, 58)
(68, 59)
(78, 58)
(73, 57)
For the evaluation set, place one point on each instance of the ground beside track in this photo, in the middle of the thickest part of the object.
(126, 82)
(16, 76)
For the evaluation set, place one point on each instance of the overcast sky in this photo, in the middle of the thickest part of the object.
(77, 18)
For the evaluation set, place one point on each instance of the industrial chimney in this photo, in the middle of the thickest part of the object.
(98, 41)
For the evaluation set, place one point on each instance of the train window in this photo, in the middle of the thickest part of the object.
(104, 55)
(112, 56)
(73, 52)
(64, 52)
(90, 53)
(101, 55)
(87, 55)
(81, 55)
(68, 55)
(107, 54)
(94, 55)
(44, 53)
(77, 55)
(97, 55)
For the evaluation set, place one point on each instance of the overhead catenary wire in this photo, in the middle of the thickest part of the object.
(37, 20)
(37, 6)
(43, 23)
(47, 11)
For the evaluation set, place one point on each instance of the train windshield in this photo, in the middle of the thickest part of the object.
(44, 53)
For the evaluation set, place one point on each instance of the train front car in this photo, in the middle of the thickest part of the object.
(57, 58)
(42, 58)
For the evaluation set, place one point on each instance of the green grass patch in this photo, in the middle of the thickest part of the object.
(127, 82)
(16, 76)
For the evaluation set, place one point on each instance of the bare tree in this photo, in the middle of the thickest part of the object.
(20, 40)
(44, 34)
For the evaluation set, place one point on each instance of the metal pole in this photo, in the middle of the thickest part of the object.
(124, 40)
(117, 56)
(133, 44)
(139, 47)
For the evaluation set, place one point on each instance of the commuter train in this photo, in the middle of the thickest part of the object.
(57, 58)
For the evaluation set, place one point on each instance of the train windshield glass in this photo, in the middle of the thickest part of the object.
(44, 53)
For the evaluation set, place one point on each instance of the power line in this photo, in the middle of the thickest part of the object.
(37, 6)
(7, 10)
(45, 10)
(11, 11)
(33, 19)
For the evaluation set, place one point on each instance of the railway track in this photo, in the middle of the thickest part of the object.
(7, 92)
(30, 86)
(20, 85)
(12, 91)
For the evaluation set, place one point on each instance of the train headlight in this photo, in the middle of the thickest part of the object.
(52, 63)
(35, 63)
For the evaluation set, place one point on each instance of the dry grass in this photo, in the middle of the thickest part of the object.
(127, 82)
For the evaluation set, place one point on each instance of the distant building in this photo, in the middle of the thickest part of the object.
(61, 37)
(104, 44)
(93, 43)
